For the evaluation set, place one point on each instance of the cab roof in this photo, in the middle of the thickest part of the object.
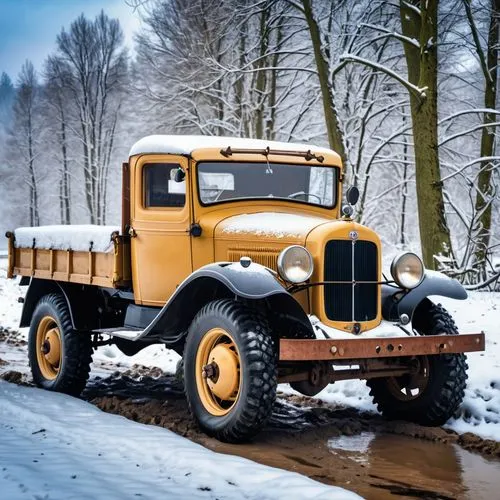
(186, 144)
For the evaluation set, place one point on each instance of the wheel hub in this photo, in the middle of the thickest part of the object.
(218, 377)
(224, 379)
(48, 340)
(51, 347)
(411, 386)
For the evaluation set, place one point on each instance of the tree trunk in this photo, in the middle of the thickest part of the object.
(65, 182)
(404, 188)
(422, 71)
(335, 134)
(261, 81)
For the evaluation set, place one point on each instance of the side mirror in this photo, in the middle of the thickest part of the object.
(352, 195)
(179, 175)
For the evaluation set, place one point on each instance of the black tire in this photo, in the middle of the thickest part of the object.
(75, 349)
(257, 370)
(447, 375)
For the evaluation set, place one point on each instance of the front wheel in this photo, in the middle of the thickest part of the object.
(59, 356)
(230, 371)
(435, 389)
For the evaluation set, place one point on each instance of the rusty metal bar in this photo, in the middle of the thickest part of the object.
(363, 375)
(308, 155)
(359, 348)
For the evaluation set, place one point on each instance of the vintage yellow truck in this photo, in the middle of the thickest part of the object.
(228, 247)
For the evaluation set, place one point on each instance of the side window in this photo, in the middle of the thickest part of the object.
(160, 188)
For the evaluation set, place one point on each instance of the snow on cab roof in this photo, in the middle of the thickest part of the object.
(186, 144)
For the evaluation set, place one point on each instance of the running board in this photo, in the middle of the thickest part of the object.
(128, 333)
(359, 348)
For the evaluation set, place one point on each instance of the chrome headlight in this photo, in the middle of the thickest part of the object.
(295, 264)
(407, 270)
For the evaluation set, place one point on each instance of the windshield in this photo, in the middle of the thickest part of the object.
(229, 181)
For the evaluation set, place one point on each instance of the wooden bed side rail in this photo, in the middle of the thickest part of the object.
(106, 269)
(387, 347)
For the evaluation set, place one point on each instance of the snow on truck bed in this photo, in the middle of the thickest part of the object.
(79, 238)
(58, 447)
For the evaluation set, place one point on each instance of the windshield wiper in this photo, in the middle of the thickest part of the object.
(308, 155)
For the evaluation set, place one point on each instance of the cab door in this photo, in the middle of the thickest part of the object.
(160, 220)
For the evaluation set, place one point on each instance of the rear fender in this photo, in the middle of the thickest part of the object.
(83, 302)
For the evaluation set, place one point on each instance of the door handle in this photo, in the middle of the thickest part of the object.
(131, 232)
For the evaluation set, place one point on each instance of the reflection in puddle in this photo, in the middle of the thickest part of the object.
(418, 466)
(356, 445)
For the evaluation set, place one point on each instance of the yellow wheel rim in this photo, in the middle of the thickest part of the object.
(218, 377)
(48, 347)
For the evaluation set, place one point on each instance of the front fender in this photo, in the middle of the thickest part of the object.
(219, 281)
(396, 301)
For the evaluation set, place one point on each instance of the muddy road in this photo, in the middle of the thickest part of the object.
(339, 446)
(361, 452)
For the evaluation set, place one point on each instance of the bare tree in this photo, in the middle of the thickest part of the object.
(486, 191)
(24, 142)
(94, 55)
(58, 80)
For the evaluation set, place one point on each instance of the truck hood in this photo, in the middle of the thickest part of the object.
(268, 226)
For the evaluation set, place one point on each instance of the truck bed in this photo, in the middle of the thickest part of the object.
(91, 255)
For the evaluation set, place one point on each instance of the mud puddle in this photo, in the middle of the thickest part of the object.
(343, 447)
(435, 470)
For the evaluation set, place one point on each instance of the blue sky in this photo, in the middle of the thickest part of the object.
(28, 28)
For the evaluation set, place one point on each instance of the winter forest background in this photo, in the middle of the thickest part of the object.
(405, 92)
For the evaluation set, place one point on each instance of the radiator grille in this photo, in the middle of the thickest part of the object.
(348, 261)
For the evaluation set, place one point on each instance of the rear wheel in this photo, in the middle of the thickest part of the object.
(59, 356)
(230, 370)
(435, 389)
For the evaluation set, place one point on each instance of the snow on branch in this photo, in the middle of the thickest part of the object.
(398, 36)
(469, 164)
(469, 111)
(419, 92)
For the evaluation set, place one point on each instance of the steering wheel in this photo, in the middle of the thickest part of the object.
(303, 193)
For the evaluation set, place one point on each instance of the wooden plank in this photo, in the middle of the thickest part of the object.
(359, 348)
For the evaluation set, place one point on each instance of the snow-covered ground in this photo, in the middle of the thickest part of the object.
(58, 447)
(479, 414)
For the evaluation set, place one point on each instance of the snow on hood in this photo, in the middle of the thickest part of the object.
(271, 224)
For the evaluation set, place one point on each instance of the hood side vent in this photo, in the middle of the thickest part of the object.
(266, 256)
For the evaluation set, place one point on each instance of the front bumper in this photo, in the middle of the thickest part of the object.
(359, 348)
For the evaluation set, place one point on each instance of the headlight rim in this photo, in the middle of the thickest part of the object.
(395, 276)
(280, 268)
